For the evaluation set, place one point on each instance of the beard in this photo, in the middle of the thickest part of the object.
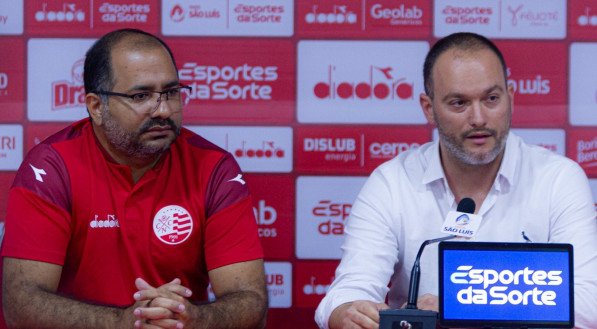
(130, 143)
(455, 145)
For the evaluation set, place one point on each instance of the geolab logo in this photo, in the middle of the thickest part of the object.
(68, 13)
(265, 217)
(68, 94)
(172, 224)
(400, 15)
(382, 83)
(338, 15)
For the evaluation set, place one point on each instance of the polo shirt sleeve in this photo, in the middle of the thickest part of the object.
(231, 231)
(38, 213)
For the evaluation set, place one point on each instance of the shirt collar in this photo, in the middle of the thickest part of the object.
(506, 174)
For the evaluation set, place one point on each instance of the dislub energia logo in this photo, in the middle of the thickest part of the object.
(268, 149)
(338, 15)
(501, 285)
(68, 94)
(380, 84)
(245, 82)
(332, 216)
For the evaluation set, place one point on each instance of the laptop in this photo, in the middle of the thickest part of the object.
(505, 285)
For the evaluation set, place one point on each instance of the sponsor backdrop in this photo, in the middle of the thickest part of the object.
(308, 95)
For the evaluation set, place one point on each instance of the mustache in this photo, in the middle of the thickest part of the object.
(469, 132)
(158, 122)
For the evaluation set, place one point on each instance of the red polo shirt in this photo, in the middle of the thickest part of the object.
(72, 205)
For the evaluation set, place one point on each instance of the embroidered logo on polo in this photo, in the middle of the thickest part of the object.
(172, 224)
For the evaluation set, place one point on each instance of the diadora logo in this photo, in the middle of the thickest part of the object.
(536, 86)
(313, 288)
(532, 17)
(39, 173)
(587, 19)
(244, 82)
(131, 13)
(172, 224)
(67, 13)
(110, 221)
(467, 15)
(339, 14)
(382, 83)
(500, 283)
(68, 94)
(3, 84)
(267, 149)
(400, 15)
(265, 216)
(332, 216)
(587, 152)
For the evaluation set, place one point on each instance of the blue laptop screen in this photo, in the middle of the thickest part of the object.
(506, 284)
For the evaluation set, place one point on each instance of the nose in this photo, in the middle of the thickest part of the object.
(477, 116)
(162, 108)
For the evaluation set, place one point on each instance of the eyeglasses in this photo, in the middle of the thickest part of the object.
(141, 101)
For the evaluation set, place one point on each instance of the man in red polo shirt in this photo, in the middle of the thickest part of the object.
(122, 219)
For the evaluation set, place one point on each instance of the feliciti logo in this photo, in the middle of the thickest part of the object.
(68, 94)
(338, 15)
(531, 17)
(380, 84)
(172, 224)
(68, 13)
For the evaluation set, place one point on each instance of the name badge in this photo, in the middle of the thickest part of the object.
(461, 224)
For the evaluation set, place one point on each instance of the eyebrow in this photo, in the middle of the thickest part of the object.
(147, 88)
(485, 92)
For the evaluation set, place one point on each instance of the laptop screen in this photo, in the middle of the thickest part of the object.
(486, 284)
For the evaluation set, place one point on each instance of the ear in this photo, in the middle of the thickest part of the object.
(94, 107)
(427, 107)
(511, 95)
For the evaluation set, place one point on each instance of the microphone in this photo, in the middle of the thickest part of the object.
(466, 205)
(411, 316)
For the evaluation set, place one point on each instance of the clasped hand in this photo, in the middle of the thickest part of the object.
(162, 307)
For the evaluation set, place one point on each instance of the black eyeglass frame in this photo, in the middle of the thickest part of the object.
(132, 96)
